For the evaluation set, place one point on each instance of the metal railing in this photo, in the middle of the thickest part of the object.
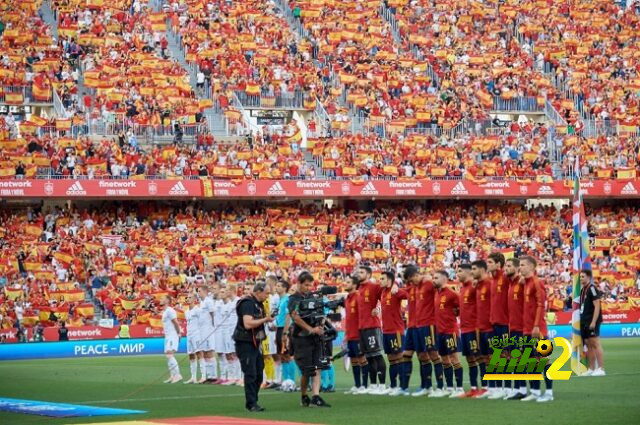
(61, 111)
(293, 100)
(517, 104)
(253, 129)
(552, 114)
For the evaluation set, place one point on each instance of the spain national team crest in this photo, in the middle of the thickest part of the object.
(251, 188)
(48, 188)
(153, 188)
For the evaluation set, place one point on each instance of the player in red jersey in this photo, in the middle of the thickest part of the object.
(371, 329)
(447, 309)
(483, 308)
(499, 315)
(534, 324)
(359, 365)
(516, 305)
(468, 327)
(423, 338)
(392, 327)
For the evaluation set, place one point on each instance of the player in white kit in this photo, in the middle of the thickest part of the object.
(207, 333)
(230, 370)
(171, 339)
(194, 338)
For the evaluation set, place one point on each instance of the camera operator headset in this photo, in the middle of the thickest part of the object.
(306, 340)
(248, 335)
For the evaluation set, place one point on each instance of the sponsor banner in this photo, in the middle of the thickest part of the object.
(78, 349)
(312, 189)
(609, 316)
(96, 332)
(607, 330)
(59, 410)
(68, 188)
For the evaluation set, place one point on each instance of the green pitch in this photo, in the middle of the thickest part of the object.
(135, 383)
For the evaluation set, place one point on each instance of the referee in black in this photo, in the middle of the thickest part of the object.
(248, 335)
(590, 320)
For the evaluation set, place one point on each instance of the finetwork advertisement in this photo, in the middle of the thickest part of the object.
(78, 349)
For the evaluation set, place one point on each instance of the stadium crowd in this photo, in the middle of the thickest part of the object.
(125, 258)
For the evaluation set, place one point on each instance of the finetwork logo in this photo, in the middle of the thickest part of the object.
(545, 190)
(178, 189)
(459, 189)
(369, 189)
(276, 189)
(76, 189)
(629, 189)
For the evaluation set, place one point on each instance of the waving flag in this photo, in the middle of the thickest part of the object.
(581, 261)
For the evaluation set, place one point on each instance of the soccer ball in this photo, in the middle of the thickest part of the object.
(288, 386)
(544, 347)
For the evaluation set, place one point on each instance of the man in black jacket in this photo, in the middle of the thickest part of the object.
(590, 320)
(248, 335)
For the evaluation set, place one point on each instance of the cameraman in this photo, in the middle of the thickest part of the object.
(306, 342)
(248, 335)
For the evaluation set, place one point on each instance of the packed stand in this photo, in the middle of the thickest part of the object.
(59, 263)
(32, 62)
(127, 70)
(592, 47)
(266, 156)
(244, 48)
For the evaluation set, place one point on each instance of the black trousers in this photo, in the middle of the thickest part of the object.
(252, 365)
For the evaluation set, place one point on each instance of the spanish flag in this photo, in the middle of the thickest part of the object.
(33, 230)
(85, 310)
(39, 121)
(131, 304)
(155, 321)
(12, 293)
(13, 98)
(63, 257)
(30, 319)
(42, 93)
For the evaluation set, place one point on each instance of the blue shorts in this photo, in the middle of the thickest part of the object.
(353, 349)
(485, 344)
(448, 344)
(393, 343)
(501, 331)
(421, 340)
(470, 344)
(517, 336)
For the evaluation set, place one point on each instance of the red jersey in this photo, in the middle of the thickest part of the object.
(352, 330)
(483, 305)
(468, 313)
(535, 305)
(499, 300)
(516, 303)
(411, 307)
(446, 302)
(425, 311)
(392, 310)
(368, 297)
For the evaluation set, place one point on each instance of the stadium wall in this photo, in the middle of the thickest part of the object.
(146, 346)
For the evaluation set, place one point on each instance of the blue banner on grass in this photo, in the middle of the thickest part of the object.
(59, 410)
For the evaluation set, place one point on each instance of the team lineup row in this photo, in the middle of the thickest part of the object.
(497, 298)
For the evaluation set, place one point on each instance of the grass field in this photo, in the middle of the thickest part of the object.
(135, 383)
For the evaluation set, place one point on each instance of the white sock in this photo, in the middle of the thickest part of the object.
(535, 393)
(237, 370)
(549, 392)
(523, 390)
(212, 368)
(222, 361)
(174, 369)
(193, 366)
(203, 368)
(278, 370)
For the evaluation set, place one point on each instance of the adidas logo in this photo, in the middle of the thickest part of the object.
(545, 190)
(76, 189)
(276, 189)
(629, 189)
(369, 189)
(178, 189)
(459, 189)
